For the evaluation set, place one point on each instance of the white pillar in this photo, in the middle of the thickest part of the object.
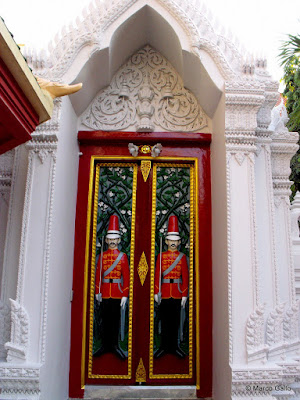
(12, 240)
(295, 216)
(283, 321)
(266, 259)
(25, 349)
(240, 126)
(6, 166)
(34, 249)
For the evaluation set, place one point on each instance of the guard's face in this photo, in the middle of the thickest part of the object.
(172, 244)
(113, 243)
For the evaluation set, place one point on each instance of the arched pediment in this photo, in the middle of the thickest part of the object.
(181, 30)
(145, 94)
(167, 25)
(160, 28)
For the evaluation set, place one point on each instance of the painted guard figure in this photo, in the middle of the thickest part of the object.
(171, 290)
(112, 289)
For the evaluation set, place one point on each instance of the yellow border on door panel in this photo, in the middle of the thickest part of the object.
(131, 160)
(191, 270)
(92, 279)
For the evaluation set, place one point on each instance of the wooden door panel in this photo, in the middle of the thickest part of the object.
(147, 210)
(114, 194)
(173, 194)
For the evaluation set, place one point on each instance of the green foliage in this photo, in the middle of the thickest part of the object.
(290, 49)
(173, 198)
(292, 92)
(115, 197)
(290, 58)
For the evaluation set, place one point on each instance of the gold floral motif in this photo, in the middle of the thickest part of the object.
(140, 375)
(143, 268)
(145, 149)
(145, 168)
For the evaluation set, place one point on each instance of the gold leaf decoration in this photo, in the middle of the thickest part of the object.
(140, 375)
(143, 268)
(145, 168)
(146, 149)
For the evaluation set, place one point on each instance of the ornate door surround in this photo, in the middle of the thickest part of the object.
(183, 151)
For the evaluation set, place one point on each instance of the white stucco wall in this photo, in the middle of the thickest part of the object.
(249, 339)
(55, 372)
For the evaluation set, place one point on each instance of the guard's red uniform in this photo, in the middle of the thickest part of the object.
(113, 290)
(170, 290)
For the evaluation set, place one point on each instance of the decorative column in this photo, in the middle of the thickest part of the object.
(6, 167)
(242, 104)
(26, 347)
(267, 274)
(282, 328)
(295, 218)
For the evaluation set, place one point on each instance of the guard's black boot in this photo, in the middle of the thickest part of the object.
(100, 351)
(119, 352)
(179, 353)
(159, 352)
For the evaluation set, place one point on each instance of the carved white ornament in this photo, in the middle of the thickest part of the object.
(275, 326)
(4, 327)
(147, 89)
(18, 346)
(256, 335)
(279, 118)
(19, 382)
(244, 381)
(291, 323)
(194, 17)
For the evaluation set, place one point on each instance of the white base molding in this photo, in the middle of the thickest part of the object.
(20, 382)
(139, 392)
(270, 382)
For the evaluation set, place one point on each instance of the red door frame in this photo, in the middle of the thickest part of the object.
(100, 143)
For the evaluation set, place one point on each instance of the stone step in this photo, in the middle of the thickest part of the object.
(139, 392)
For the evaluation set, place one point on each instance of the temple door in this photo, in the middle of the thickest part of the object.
(139, 264)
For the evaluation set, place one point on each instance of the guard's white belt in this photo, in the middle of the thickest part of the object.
(111, 280)
(171, 280)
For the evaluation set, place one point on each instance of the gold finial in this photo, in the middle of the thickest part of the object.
(140, 375)
(56, 89)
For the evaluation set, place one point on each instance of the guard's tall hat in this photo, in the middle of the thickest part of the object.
(113, 231)
(173, 231)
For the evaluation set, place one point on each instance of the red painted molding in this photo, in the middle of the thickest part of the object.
(116, 138)
(18, 119)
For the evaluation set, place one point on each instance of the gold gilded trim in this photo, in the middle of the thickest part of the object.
(86, 264)
(145, 168)
(191, 283)
(118, 161)
(198, 366)
(93, 258)
(146, 149)
(140, 375)
(143, 268)
(152, 272)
